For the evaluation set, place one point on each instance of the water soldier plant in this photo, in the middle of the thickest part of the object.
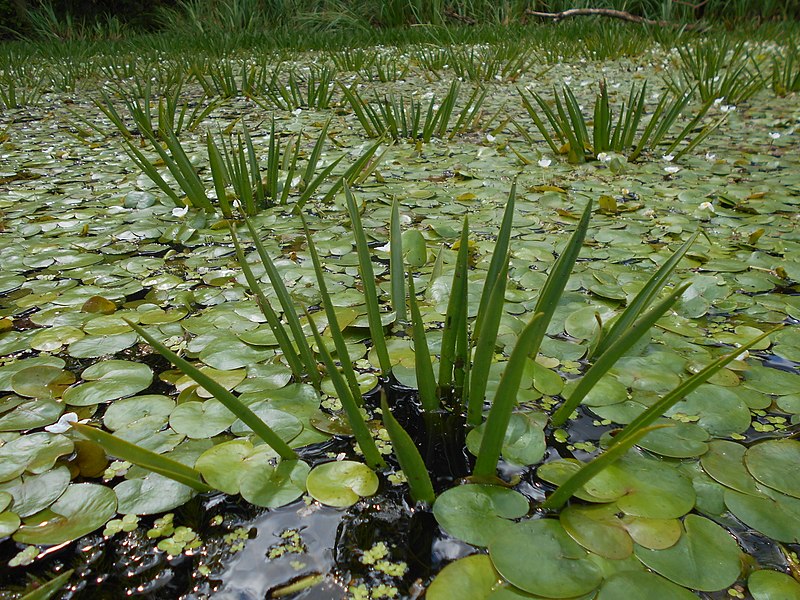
(491, 427)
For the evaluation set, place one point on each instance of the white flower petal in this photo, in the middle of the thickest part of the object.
(63, 424)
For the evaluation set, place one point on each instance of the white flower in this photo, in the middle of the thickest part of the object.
(604, 157)
(668, 157)
(490, 137)
(774, 135)
(707, 206)
(718, 101)
(710, 156)
(672, 169)
(544, 162)
(63, 424)
(296, 112)
(180, 212)
(726, 108)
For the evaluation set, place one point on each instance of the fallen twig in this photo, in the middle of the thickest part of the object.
(605, 12)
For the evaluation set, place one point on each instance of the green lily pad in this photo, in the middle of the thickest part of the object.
(539, 557)
(599, 529)
(724, 461)
(225, 465)
(524, 442)
(42, 382)
(35, 453)
(11, 369)
(203, 419)
(153, 408)
(285, 425)
(275, 486)
(469, 578)
(31, 414)
(341, 483)
(109, 380)
(679, 440)
(773, 585)
(770, 462)
(720, 411)
(95, 346)
(227, 353)
(706, 557)
(9, 523)
(656, 534)
(476, 513)
(772, 513)
(33, 493)
(81, 509)
(151, 495)
(641, 584)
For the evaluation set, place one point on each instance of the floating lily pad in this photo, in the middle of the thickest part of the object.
(9, 523)
(81, 509)
(42, 382)
(341, 483)
(772, 585)
(129, 411)
(678, 440)
(275, 486)
(95, 346)
(109, 380)
(641, 584)
(285, 425)
(477, 513)
(33, 493)
(539, 557)
(225, 465)
(11, 369)
(524, 442)
(770, 462)
(201, 419)
(31, 414)
(772, 513)
(35, 453)
(599, 529)
(724, 461)
(151, 495)
(706, 557)
(469, 578)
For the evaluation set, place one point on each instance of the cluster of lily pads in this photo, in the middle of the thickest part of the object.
(275, 363)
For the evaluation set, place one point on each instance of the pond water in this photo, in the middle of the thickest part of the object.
(90, 242)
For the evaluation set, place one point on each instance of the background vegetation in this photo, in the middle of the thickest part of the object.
(71, 19)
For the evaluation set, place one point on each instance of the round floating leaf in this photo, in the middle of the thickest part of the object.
(524, 442)
(81, 509)
(770, 462)
(275, 486)
(32, 414)
(109, 380)
(652, 488)
(773, 585)
(42, 382)
(225, 465)
(341, 483)
(469, 578)
(724, 461)
(476, 513)
(151, 495)
(98, 304)
(772, 513)
(201, 419)
(229, 353)
(95, 346)
(36, 453)
(679, 440)
(33, 493)
(9, 370)
(719, 410)
(656, 534)
(598, 529)
(641, 584)
(153, 408)
(5, 500)
(706, 557)
(286, 426)
(9, 523)
(540, 557)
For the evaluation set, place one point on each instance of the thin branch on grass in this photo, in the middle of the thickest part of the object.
(604, 12)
